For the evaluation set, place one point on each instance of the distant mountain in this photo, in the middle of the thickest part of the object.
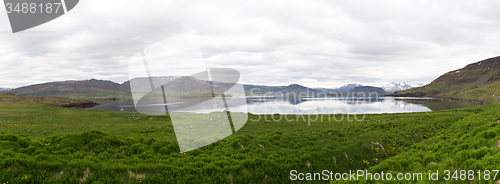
(368, 90)
(290, 89)
(477, 81)
(392, 87)
(68, 88)
(5, 89)
(188, 85)
(345, 88)
(185, 85)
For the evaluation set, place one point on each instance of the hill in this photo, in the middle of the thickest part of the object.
(471, 143)
(368, 90)
(477, 81)
(290, 89)
(90, 87)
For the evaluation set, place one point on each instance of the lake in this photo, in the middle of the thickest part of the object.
(344, 105)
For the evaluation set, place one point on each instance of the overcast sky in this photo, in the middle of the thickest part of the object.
(280, 42)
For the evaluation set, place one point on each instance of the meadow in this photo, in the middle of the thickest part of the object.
(46, 144)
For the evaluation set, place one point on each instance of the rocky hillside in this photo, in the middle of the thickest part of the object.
(477, 81)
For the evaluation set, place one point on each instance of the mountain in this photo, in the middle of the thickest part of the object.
(185, 85)
(368, 91)
(5, 89)
(71, 88)
(290, 89)
(345, 88)
(392, 87)
(478, 81)
(188, 85)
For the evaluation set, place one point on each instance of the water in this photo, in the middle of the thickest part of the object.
(347, 105)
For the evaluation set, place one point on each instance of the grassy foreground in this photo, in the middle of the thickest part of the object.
(46, 144)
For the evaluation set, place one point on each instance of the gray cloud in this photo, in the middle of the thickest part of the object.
(314, 43)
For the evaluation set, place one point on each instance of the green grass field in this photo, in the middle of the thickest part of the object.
(46, 144)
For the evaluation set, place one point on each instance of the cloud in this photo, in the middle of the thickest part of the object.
(316, 43)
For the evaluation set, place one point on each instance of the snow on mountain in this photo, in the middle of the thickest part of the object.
(399, 86)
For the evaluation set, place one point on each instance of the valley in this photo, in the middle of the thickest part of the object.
(72, 146)
(42, 142)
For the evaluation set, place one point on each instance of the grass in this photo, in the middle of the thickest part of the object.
(439, 103)
(470, 144)
(481, 92)
(11, 99)
(93, 96)
(46, 144)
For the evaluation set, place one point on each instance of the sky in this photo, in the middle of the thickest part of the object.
(313, 43)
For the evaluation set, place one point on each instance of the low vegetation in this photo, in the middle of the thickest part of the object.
(47, 144)
(9, 98)
(470, 144)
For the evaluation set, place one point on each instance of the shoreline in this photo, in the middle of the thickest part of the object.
(438, 97)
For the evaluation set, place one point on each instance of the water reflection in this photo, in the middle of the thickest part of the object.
(440, 103)
(351, 105)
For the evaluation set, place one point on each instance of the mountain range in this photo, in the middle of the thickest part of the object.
(94, 87)
(479, 81)
(390, 88)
